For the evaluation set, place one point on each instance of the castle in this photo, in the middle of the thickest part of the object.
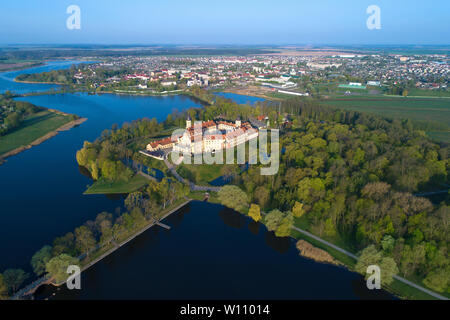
(208, 136)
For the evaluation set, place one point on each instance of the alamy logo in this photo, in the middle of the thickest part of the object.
(74, 20)
(74, 279)
(374, 280)
(374, 20)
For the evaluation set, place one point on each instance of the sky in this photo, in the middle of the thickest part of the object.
(240, 22)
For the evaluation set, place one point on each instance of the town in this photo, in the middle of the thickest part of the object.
(275, 75)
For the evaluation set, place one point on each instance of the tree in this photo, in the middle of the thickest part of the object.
(84, 239)
(388, 243)
(3, 288)
(285, 226)
(370, 256)
(273, 219)
(298, 210)
(255, 212)
(234, 198)
(14, 278)
(438, 280)
(57, 266)
(64, 244)
(40, 259)
(262, 196)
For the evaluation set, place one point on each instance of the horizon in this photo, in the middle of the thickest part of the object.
(251, 23)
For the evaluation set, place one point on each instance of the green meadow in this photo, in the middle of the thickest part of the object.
(32, 128)
(430, 114)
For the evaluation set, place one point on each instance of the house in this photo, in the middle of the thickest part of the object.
(160, 144)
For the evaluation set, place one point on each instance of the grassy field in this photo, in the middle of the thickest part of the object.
(31, 129)
(433, 110)
(106, 187)
(200, 174)
(428, 93)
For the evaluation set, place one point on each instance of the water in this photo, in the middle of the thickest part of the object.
(7, 78)
(210, 252)
(41, 189)
(239, 98)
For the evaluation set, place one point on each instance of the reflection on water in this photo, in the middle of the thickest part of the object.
(232, 218)
(85, 172)
(360, 288)
(280, 245)
(116, 196)
(253, 226)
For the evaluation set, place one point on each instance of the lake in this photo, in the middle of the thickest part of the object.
(210, 252)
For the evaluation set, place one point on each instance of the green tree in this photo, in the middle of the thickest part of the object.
(57, 266)
(285, 225)
(14, 278)
(262, 196)
(298, 210)
(234, 198)
(370, 256)
(438, 280)
(388, 243)
(273, 219)
(3, 288)
(84, 239)
(40, 259)
(255, 212)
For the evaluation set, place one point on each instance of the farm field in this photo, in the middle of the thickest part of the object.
(431, 113)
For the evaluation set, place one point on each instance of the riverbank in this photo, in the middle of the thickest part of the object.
(19, 66)
(38, 82)
(31, 135)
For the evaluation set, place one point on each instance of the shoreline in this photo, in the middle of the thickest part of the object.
(65, 127)
(29, 66)
(37, 82)
(28, 290)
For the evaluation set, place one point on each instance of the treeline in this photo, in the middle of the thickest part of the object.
(13, 112)
(109, 51)
(99, 235)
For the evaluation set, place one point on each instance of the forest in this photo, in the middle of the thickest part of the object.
(355, 177)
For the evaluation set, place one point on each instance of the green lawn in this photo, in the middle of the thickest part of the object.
(32, 128)
(428, 93)
(105, 187)
(201, 174)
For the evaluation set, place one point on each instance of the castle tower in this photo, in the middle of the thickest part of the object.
(238, 122)
(188, 122)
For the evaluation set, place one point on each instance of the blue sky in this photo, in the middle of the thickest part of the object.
(225, 22)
